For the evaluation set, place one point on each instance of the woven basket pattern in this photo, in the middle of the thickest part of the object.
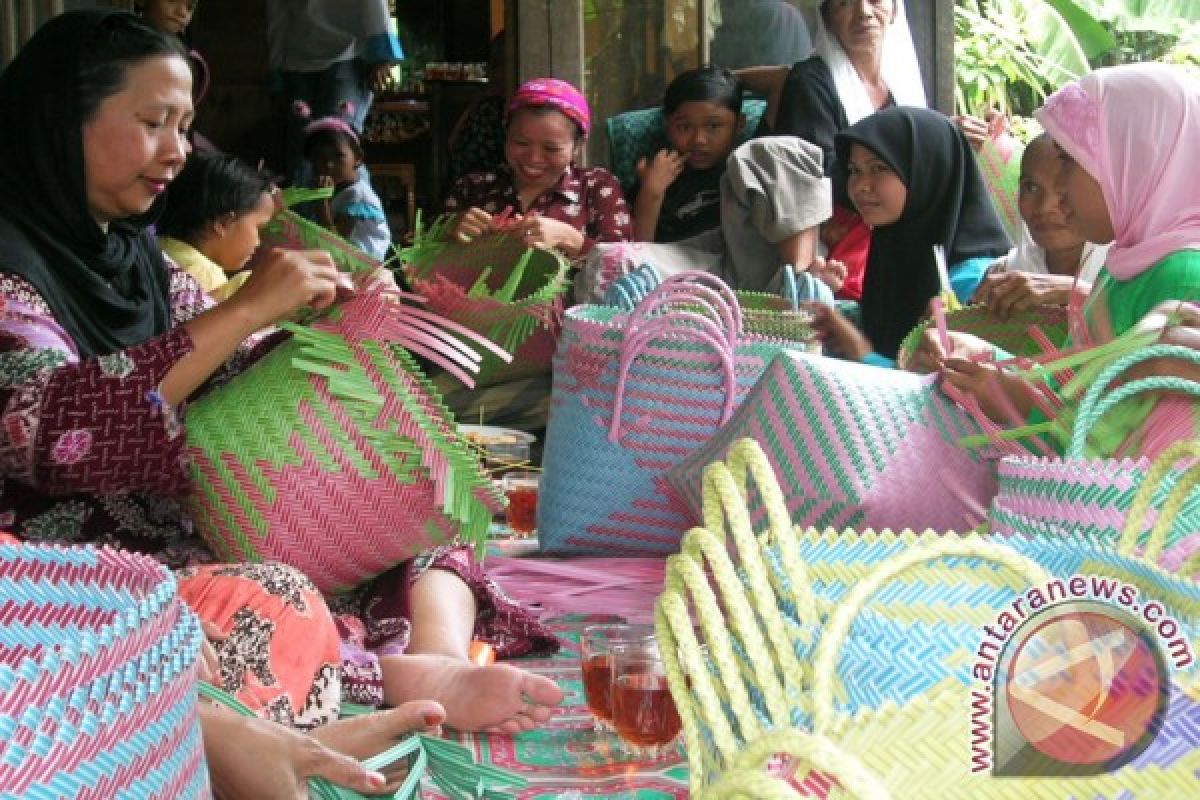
(1014, 335)
(97, 677)
(334, 454)
(495, 286)
(609, 446)
(793, 662)
(855, 446)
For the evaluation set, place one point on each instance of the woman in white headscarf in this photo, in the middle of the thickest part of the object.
(856, 44)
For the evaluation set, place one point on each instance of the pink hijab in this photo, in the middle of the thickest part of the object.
(1136, 130)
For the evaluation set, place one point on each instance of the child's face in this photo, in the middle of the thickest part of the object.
(1083, 201)
(875, 188)
(539, 146)
(703, 132)
(169, 16)
(1039, 201)
(236, 238)
(335, 160)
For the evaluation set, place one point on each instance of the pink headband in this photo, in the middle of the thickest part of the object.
(557, 94)
(339, 124)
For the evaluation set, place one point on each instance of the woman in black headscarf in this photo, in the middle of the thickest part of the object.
(100, 342)
(912, 176)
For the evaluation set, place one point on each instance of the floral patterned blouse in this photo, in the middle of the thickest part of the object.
(588, 199)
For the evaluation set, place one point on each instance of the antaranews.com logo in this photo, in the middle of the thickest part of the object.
(1072, 679)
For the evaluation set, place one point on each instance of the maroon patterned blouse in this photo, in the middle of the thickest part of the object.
(588, 199)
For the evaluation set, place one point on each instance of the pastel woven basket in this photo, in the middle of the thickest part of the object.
(824, 664)
(495, 286)
(633, 394)
(1112, 500)
(1024, 333)
(333, 452)
(855, 446)
(97, 677)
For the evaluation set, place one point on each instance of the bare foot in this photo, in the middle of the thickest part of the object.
(497, 697)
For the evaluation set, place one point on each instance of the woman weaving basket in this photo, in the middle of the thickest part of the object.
(101, 344)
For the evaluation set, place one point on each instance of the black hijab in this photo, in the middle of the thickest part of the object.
(947, 204)
(109, 291)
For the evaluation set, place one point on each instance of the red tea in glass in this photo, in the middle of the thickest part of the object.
(596, 645)
(597, 683)
(643, 711)
(521, 488)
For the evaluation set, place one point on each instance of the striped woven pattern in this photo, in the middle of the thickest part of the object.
(845, 651)
(855, 447)
(290, 231)
(1021, 334)
(496, 286)
(334, 454)
(634, 394)
(97, 677)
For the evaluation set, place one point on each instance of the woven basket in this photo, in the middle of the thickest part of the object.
(634, 394)
(334, 454)
(771, 648)
(1109, 499)
(856, 446)
(497, 287)
(1025, 333)
(97, 677)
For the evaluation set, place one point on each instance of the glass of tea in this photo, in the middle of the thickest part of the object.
(643, 711)
(596, 646)
(521, 489)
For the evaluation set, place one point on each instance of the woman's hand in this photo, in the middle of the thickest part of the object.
(472, 223)
(284, 281)
(999, 393)
(838, 334)
(1185, 333)
(538, 231)
(657, 175)
(830, 271)
(930, 355)
(1009, 292)
(258, 759)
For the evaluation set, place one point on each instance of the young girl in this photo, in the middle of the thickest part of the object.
(355, 213)
(1051, 258)
(210, 224)
(1126, 142)
(912, 177)
(557, 204)
(679, 190)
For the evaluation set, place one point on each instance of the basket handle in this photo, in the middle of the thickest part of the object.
(632, 288)
(1169, 513)
(693, 288)
(1096, 402)
(747, 778)
(837, 630)
(680, 324)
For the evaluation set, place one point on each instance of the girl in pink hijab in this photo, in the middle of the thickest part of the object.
(1128, 139)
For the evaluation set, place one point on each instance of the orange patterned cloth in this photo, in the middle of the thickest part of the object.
(280, 650)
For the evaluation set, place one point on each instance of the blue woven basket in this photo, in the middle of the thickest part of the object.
(97, 677)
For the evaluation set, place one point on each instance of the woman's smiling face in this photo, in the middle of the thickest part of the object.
(136, 141)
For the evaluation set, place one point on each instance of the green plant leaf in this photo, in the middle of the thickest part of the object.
(1093, 38)
(1161, 16)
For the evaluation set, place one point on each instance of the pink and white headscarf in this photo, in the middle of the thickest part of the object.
(1136, 130)
(555, 93)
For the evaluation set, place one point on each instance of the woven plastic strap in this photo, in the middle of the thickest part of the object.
(1096, 402)
(1169, 513)
(676, 325)
(693, 291)
(632, 288)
